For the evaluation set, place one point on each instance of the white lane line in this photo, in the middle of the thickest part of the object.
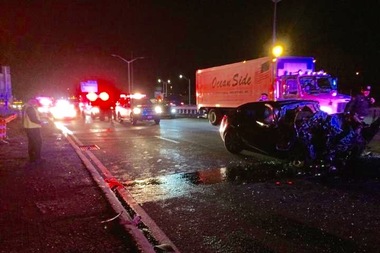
(165, 139)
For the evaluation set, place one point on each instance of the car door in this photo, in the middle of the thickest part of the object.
(123, 108)
(257, 126)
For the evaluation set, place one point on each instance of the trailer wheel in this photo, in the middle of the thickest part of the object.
(232, 142)
(214, 116)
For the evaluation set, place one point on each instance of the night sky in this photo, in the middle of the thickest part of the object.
(53, 45)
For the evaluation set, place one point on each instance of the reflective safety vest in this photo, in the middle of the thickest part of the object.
(27, 123)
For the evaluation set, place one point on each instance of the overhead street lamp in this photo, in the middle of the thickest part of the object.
(164, 86)
(130, 86)
(274, 20)
(188, 79)
(277, 51)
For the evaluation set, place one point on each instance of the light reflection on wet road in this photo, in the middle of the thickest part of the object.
(207, 200)
(182, 184)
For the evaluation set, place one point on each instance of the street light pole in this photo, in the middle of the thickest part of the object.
(188, 79)
(274, 21)
(164, 86)
(130, 87)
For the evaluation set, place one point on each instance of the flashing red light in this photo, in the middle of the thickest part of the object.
(104, 96)
(91, 96)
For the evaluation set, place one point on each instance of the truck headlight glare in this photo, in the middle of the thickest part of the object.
(95, 110)
(136, 110)
(158, 109)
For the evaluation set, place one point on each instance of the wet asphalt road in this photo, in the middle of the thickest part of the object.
(207, 200)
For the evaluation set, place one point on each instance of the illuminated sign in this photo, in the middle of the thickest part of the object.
(89, 86)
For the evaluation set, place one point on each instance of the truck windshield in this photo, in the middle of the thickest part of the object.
(316, 84)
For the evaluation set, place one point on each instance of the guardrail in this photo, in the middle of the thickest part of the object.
(191, 111)
(188, 111)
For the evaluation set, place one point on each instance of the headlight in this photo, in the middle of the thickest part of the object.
(327, 109)
(158, 109)
(43, 109)
(173, 111)
(95, 110)
(136, 110)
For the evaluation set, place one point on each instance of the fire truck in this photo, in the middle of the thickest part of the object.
(97, 98)
(222, 88)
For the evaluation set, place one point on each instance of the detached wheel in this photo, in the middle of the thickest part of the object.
(214, 116)
(232, 142)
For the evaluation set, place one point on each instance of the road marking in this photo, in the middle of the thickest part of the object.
(165, 139)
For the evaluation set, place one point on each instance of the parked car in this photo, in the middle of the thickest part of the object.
(136, 108)
(63, 109)
(168, 109)
(97, 111)
(44, 105)
(296, 130)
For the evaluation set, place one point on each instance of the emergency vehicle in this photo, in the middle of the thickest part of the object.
(223, 88)
(97, 98)
(137, 107)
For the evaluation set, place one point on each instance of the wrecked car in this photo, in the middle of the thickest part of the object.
(295, 130)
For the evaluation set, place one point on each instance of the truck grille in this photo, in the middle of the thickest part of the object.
(148, 111)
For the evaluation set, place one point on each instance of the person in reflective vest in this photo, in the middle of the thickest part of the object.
(32, 124)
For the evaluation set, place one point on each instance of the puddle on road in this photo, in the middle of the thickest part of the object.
(183, 184)
(176, 185)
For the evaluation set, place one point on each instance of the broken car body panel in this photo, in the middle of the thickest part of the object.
(295, 130)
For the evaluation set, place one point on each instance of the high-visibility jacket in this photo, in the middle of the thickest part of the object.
(29, 120)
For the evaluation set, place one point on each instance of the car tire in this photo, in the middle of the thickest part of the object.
(134, 121)
(157, 121)
(232, 142)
